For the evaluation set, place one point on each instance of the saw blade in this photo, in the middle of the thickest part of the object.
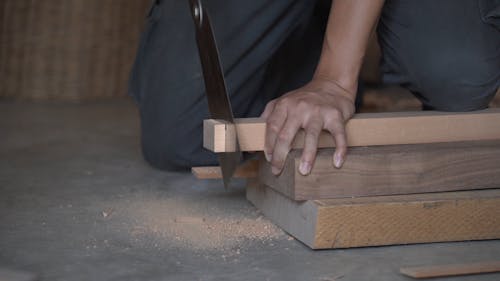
(215, 85)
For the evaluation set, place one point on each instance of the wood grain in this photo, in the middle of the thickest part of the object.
(383, 220)
(296, 218)
(389, 170)
(367, 129)
(451, 269)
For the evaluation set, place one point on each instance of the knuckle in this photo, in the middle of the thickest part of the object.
(282, 103)
(316, 108)
(312, 108)
(269, 105)
(283, 136)
(336, 115)
(330, 126)
(268, 109)
(313, 131)
(273, 127)
(302, 104)
(334, 125)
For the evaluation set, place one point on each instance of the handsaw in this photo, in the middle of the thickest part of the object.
(215, 86)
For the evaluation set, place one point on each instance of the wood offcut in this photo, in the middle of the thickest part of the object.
(248, 169)
(421, 272)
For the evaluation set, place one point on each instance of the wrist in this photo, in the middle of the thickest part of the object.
(348, 87)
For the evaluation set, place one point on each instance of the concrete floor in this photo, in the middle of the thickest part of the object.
(69, 173)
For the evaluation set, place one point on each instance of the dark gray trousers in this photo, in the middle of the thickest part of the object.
(446, 52)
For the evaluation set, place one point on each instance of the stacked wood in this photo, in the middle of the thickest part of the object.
(412, 177)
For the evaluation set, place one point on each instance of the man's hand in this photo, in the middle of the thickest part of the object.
(320, 105)
(327, 102)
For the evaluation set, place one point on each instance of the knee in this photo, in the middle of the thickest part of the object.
(458, 82)
(162, 157)
(169, 149)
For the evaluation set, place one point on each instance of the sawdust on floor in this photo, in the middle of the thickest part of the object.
(187, 223)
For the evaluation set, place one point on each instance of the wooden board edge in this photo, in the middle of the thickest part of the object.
(209, 134)
(285, 182)
(296, 218)
(372, 129)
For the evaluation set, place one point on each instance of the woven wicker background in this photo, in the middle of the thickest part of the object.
(68, 49)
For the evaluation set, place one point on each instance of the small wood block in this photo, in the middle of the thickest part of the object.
(451, 269)
(366, 129)
(383, 220)
(390, 170)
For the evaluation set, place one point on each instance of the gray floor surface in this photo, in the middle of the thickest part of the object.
(77, 202)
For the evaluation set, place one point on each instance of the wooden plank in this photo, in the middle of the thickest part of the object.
(296, 218)
(366, 129)
(389, 170)
(451, 269)
(383, 220)
(248, 169)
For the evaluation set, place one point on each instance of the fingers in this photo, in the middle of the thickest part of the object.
(312, 130)
(337, 128)
(283, 144)
(268, 110)
(275, 119)
(313, 111)
(340, 150)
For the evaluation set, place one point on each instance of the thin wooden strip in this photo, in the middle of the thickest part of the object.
(367, 129)
(248, 169)
(451, 269)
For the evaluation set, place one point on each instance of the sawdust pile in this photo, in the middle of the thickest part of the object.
(187, 223)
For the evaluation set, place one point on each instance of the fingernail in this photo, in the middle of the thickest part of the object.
(337, 161)
(304, 168)
(275, 171)
(269, 157)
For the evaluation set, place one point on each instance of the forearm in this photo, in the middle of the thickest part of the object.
(350, 25)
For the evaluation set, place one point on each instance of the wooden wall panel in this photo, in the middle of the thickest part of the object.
(68, 49)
